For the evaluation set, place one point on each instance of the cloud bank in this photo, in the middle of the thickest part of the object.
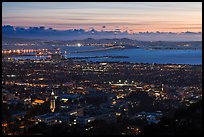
(42, 32)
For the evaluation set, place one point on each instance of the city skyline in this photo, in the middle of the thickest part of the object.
(131, 17)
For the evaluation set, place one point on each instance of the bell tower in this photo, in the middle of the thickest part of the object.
(52, 102)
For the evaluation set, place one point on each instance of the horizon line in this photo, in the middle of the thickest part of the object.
(93, 29)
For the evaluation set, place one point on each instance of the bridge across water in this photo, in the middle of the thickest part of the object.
(100, 49)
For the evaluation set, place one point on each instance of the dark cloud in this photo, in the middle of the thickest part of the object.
(49, 33)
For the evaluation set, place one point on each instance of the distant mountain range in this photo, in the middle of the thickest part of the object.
(80, 34)
(127, 43)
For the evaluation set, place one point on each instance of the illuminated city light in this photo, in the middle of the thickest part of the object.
(107, 76)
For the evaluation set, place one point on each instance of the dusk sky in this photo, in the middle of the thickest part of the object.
(138, 16)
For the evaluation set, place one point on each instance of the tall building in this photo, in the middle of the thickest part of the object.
(52, 102)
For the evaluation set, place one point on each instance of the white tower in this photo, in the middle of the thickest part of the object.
(162, 88)
(52, 102)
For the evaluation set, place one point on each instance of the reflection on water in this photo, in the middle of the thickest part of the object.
(135, 55)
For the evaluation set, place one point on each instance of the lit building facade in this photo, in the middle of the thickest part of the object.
(52, 102)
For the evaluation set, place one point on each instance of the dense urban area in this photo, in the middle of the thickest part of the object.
(59, 95)
(98, 68)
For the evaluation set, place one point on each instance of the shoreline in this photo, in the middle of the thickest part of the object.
(84, 59)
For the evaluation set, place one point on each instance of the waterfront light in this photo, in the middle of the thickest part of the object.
(79, 45)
